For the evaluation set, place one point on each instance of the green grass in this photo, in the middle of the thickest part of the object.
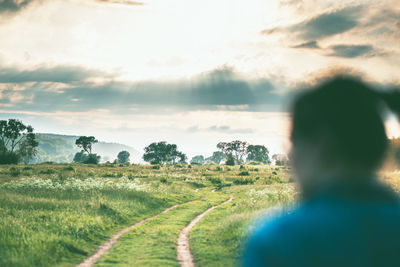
(217, 239)
(154, 243)
(42, 228)
(56, 215)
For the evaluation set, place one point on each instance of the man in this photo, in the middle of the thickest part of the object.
(346, 217)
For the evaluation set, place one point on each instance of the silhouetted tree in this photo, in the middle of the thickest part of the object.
(17, 140)
(258, 153)
(123, 156)
(163, 153)
(197, 160)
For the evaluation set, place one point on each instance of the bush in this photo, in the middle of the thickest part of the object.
(109, 175)
(9, 158)
(80, 157)
(164, 180)
(254, 163)
(92, 159)
(214, 180)
(68, 168)
(14, 172)
(156, 167)
(47, 171)
(243, 181)
(273, 180)
(179, 165)
(242, 167)
(244, 173)
(230, 161)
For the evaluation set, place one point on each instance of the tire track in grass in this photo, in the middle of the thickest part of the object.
(184, 255)
(105, 247)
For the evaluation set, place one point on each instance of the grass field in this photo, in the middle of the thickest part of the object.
(57, 214)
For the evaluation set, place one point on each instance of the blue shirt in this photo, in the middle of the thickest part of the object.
(347, 224)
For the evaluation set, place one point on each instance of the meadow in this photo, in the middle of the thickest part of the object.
(57, 214)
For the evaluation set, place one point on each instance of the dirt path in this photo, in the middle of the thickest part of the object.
(105, 247)
(185, 258)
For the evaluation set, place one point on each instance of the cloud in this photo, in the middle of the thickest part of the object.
(310, 44)
(228, 129)
(59, 74)
(290, 2)
(352, 51)
(221, 129)
(220, 89)
(121, 2)
(324, 25)
(13, 6)
(328, 24)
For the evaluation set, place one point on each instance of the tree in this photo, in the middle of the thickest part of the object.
(163, 153)
(85, 143)
(92, 159)
(237, 149)
(230, 160)
(123, 157)
(258, 153)
(80, 157)
(197, 160)
(28, 149)
(17, 141)
(280, 159)
(217, 157)
(180, 157)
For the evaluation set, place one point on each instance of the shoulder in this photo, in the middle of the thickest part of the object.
(275, 237)
(265, 245)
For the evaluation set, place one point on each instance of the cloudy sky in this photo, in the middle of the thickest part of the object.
(189, 72)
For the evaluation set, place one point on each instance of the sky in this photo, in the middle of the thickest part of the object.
(193, 73)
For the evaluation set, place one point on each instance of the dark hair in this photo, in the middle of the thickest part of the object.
(346, 116)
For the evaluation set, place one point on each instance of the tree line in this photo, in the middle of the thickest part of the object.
(18, 144)
(161, 153)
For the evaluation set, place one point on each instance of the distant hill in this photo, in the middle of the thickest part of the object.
(61, 149)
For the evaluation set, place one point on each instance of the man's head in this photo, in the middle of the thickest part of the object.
(337, 129)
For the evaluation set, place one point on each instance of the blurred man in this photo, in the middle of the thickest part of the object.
(346, 217)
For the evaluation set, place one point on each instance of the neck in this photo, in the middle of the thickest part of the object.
(336, 179)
